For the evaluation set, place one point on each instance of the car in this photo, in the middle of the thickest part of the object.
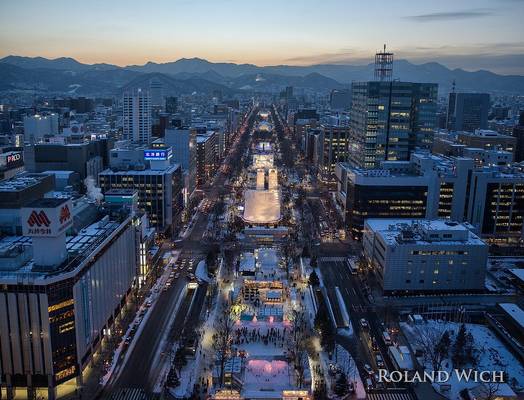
(379, 360)
(177, 275)
(369, 384)
(368, 369)
(364, 323)
(374, 345)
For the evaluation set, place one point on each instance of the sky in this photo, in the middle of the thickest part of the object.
(469, 34)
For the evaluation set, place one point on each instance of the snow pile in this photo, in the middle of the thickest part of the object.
(201, 272)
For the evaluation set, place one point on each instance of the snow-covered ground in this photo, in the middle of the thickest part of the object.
(492, 355)
(342, 360)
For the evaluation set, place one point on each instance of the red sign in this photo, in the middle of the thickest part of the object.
(38, 219)
(65, 214)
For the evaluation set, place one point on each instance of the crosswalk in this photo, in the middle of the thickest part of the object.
(391, 396)
(131, 394)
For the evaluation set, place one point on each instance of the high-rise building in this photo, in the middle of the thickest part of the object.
(489, 197)
(159, 193)
(156, 91)
(207, 157)
(171, 105)
(365, 194)
(389, 119)
(468, 111)
(183, 141)
(518, 133)
(340, 99)
(334, 149)
(137, 116)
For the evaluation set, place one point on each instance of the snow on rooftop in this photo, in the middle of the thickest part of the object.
(518, 273)
(423, 231)
(515, 312)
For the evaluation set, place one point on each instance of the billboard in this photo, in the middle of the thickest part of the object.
(11, 159)
(157, 154)
(46, 221)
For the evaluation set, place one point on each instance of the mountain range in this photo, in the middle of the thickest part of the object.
(184, 76)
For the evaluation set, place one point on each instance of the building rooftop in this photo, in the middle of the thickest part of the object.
(48, 202)
(22, 182)
(423, 232)
(515, 312)
(171, 168)
(484, 133)
(518, 273)
(79, 248)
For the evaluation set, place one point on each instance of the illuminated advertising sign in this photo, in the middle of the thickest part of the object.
(11, 159)
(160, 154)
(46, 221)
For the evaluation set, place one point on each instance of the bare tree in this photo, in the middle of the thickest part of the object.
(431, 339)
(298, 346)
(485, 391)
(222, 340)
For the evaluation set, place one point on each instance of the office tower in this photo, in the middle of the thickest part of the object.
(183, 142)
(518, 133)
(156, 91)
(468, 111)
(340, 99)
(365, 194)
(38, 126)
(334, 149)
(159, 193)
(137, 116)
(389, 119)
(207, 157)
(425, 256)
(60, 293)
(171, 105)
(289, 93)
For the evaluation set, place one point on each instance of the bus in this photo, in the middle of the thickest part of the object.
(352, 263)
(387, 338)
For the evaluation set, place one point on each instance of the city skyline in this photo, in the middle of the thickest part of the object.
(333, 32)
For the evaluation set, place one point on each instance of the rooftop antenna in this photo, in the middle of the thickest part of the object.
(453, 85)
(384, 65)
